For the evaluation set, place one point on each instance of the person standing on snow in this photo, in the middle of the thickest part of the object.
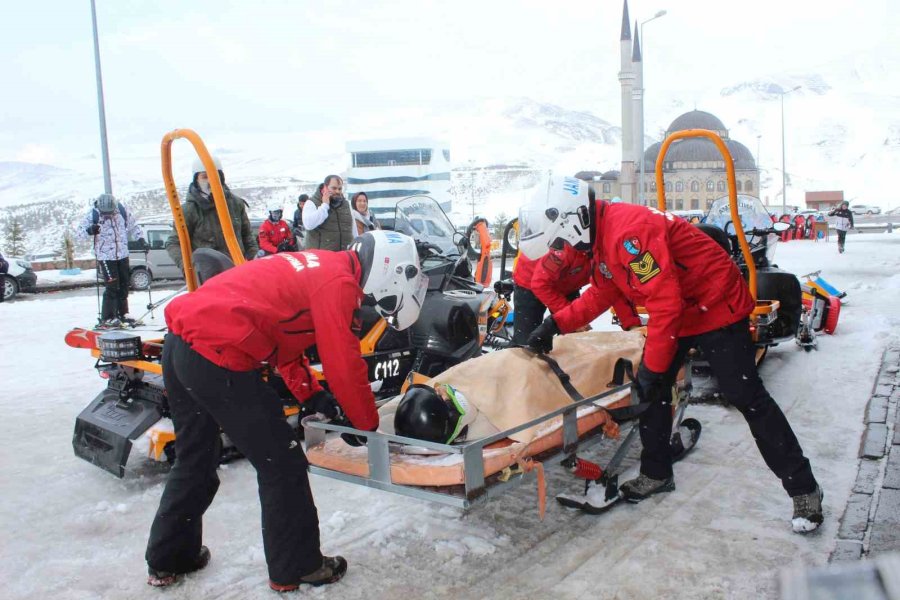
(327, 218)
(696, 298)
(363, 219)
(553, 281)
(110, 225)
(274, 234)
(843, 222)
(202, 220)
(219, 338)
(297, 223)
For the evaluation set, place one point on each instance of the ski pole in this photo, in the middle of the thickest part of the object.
(150, 280)
(151, 307)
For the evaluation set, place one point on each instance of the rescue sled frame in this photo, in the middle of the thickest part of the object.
(477, 488)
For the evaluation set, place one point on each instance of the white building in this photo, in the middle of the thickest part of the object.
(392, 169)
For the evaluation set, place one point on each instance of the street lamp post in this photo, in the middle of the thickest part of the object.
(783, 171)
(659, 14)
(107, 179)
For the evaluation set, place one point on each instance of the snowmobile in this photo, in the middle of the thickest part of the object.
(744, 229)
(452, 328)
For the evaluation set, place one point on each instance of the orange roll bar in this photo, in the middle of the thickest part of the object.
(218, 194)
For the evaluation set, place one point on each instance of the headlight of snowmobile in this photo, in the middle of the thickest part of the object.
(117, 346)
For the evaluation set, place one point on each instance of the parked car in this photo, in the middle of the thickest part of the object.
(865, 209)
(19, 278)
(893, 211)
(156, 262)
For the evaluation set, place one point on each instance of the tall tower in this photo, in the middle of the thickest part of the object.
(626, 80)
(637, 95)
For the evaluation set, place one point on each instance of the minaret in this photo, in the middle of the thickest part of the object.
(637, 95)
(626, 80)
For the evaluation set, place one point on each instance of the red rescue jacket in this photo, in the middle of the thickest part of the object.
(272, 234)
(558, 274)
(271, 310)
(687, 282)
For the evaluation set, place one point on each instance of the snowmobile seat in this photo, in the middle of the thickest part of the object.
(717, 234)
(209, 263)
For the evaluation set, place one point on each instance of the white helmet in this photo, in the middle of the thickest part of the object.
(199, 168)
(391, 276)
(275, 209)
(560, 210)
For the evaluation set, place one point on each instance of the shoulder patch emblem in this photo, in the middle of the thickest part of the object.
(605, 270)
(632, 246)
(645, 267)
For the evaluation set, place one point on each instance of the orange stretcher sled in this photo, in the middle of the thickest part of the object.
(466, 474)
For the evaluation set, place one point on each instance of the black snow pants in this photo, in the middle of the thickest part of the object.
(115, 275)
(731, 355)
(529, 313)
(842, 238)
(204, 397)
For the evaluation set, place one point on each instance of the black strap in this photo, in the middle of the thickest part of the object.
(619, 415)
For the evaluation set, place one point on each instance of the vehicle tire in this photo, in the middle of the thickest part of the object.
(869, 212)
(140, 279)
(511, 238)
(10, 287)
(474, 250)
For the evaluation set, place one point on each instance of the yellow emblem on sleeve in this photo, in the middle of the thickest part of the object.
(645, 267)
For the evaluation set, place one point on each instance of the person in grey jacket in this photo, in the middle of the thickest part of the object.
(843, 222)
(327, 217)
(202, 220)
(110, 224)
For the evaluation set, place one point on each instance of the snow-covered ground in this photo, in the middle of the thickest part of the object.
(73, 531)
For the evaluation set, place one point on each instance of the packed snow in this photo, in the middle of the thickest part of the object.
(72, 531)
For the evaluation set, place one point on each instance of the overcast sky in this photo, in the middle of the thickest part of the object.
(266, 65)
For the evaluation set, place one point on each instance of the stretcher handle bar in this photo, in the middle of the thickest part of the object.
(316, 423)
(218, 194)
(589, 401)
(732, 190)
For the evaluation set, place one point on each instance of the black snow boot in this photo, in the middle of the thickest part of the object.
(641, 487)
(332, 569)
(167, 578)
(808, 511)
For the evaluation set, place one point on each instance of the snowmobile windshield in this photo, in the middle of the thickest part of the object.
(422, 218)
(751, 210)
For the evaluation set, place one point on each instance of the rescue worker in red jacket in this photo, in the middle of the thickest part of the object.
(275, 234)
(696, 298)
(219, 338)
(552, 282)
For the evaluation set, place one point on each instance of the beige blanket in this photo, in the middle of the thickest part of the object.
(511, 387)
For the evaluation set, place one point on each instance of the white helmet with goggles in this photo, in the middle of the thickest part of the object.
(559, 211)
(392, 279)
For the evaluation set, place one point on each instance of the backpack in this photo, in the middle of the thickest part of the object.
(95, 216)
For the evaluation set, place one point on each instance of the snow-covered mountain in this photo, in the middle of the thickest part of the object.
(842, 131)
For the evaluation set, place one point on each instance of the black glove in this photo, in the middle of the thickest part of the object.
(325, 403)
(286, 246)
(541, 339)
(93, 229)
(652, 385)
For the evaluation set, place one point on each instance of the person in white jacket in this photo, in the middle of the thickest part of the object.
(843, 222)
(110, 225)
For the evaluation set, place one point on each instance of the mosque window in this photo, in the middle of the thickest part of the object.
(679, 186)
(695, 186)
(606, 187)
(710, 186)
(720, 186)
(748, 186)
(738, 184)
